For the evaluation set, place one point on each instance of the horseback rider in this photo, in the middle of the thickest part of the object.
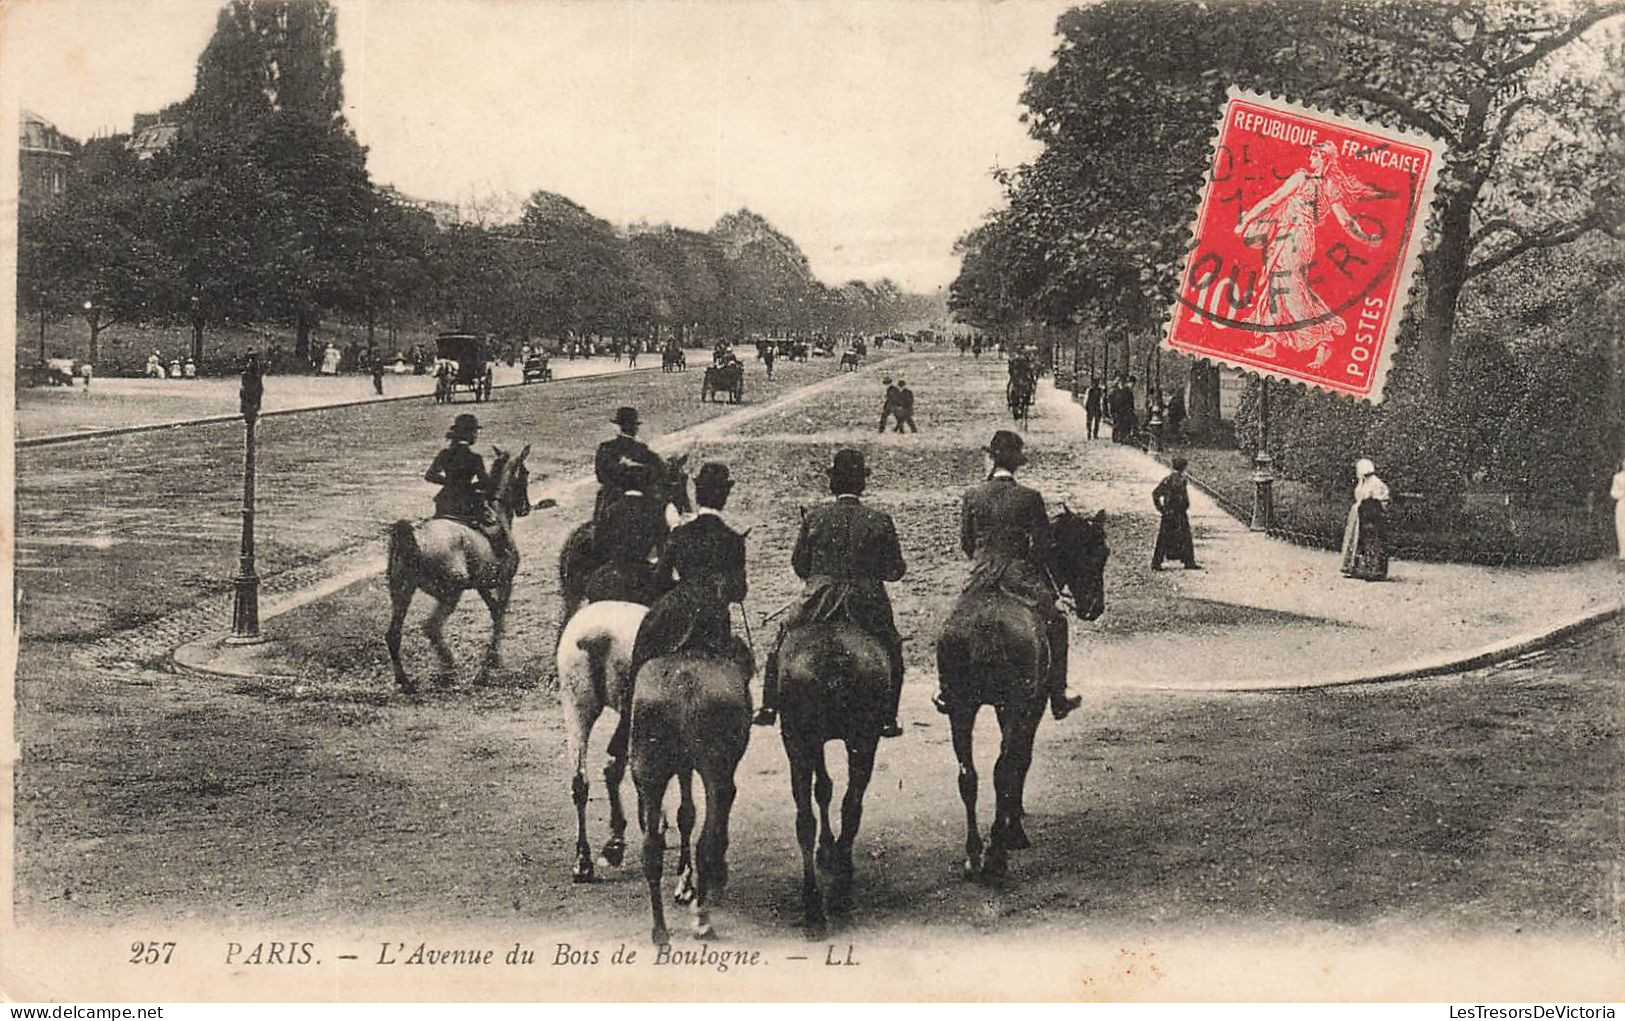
(845, 553)
(701, 571)
(628, 540)
(1005, 529)
(615, 454)
(464, 484)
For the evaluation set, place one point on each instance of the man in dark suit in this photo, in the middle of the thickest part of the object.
(1091, 409)
(845, 553)
(701, 571)
(1004, 529)
(627, 542)
(904, 408)
(889, 408)
(615, 454)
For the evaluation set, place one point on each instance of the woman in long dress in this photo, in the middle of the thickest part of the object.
(1283, 226)
(1365, 537)
(1617, 492)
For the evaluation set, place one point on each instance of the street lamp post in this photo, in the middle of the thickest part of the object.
(245, 610)
(1263, 471)
(90, 308)
(197, 330)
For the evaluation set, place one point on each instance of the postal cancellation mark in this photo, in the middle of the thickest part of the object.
(1305, 245)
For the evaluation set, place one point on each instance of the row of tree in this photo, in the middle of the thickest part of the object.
(1525, 234)
(262, 211)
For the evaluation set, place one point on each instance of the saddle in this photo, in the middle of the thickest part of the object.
(486, 524)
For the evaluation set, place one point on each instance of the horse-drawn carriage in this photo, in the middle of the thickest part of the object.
(672, 359)
(462, 362)
(726, 378)
(537, 368)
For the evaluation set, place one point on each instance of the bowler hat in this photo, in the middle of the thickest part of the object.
(847, 473)
(1005, 446)
(713, 475)
(625, 416)
(464, 426)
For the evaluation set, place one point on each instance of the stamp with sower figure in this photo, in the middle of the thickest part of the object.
(1305, 245)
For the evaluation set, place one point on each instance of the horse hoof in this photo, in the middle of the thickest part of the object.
(704, 930)
(613, 854)
(816, 929)
(684, 894)
(1015, 838)
(582, 873)
(995, 868)
(407, 687)
(660, 937)
(971, 869)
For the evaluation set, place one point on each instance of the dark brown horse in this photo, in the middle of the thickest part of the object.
(576, 560)
(834, 685)
(690, 714)
(993, 652)
(447, 558)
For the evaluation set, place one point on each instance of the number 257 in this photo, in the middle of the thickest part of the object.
(151, 953)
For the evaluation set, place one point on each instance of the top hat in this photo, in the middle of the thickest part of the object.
(1005, 446)
(464, 426)
(887, 380)
(625, 416)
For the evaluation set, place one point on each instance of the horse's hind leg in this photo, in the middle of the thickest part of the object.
(823, 790)
(400, 598)
(580, 731)
(650, 794)
(686, 890)
(801, 782)
(1021, 750)
(860, 766)
(614, 852)
(711, 854)
(434, 628)
(963, 725)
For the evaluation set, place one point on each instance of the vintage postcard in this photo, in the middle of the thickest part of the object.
(543, 501)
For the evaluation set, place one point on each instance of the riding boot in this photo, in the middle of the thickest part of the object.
(1061, 700)
(894, 651)
(768, 714)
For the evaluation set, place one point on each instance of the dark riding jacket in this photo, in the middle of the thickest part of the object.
(1005, 530)
(611, 473)
(845, 553)
(463, 481)
(700, 572)
(626, 543)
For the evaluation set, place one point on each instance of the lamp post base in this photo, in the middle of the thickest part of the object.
(1263, 494)
(245, 612)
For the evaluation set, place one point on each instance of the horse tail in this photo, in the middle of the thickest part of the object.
(597, 646)
(403, 544)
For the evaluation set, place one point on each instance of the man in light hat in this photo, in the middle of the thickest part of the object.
(1004, 529)
(460, 473)
(615, 455)
(846, 552)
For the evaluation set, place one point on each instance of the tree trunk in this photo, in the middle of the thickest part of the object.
(372, 319)
(197, 340)
(301, 343)
(1202, 406)
(1445, 273)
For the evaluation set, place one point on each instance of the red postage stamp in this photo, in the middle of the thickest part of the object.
(1305, 245)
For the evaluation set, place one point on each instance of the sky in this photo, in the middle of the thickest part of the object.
(864, 129)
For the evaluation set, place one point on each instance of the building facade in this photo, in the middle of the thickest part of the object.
(45, 156)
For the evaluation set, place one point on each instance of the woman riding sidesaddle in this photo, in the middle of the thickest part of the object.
(464, 483)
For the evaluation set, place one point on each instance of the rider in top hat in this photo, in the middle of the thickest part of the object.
(464, 484)
(1005, 529)
(615, 454)
(627, 541)
(845, 553)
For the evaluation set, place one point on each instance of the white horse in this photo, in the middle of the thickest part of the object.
(595, 672)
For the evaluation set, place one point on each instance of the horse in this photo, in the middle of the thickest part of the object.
(992, 651)
(849, 361)
(690, 714)
(1018, 394)
(834, 685)
(672, 359)
(594, 663)
(446, 558)
(724, 379)
(576, 559)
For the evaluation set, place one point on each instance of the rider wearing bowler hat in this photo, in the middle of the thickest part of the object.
(464, 484)
(615, 455)
(1004, 529)
(846, 552)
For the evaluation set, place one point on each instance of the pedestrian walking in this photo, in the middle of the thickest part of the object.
(1092, 399)
(1174, 540)
(904, 408)
(377, 375)
(1617, 492)
(1365, 549)
(889, 407)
